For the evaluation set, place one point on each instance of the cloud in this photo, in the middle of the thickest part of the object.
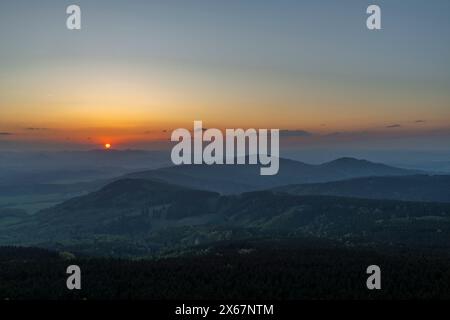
(393, 126)
(420, 121)
(155, 131)
(295, 133)
(6, 134)
(35, 129)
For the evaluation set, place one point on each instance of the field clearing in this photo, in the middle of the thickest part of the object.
(32, 203)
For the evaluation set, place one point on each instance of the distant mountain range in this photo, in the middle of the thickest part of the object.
(51, 178)
(233, 179)
(145, 213)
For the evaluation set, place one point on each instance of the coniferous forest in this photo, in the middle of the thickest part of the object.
(277, 269)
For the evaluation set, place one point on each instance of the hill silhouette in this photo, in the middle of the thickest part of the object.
(408, 188)
(229, 179)
(138, 217)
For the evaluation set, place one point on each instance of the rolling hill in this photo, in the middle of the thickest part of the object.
(408, 188)
(234, 179)
(139, 217)
(126, 206)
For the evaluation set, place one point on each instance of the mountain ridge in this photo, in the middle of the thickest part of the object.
(431, 188)
(235, 179)
(134, 216)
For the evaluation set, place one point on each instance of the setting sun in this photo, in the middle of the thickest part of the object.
(107, 146)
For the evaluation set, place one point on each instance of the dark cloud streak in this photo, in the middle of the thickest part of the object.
(36, 129)
(295, 133)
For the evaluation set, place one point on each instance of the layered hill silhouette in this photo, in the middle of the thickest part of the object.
(408, 188)
(234, 179)
(128, 206)
(346, 200)
(138, 217)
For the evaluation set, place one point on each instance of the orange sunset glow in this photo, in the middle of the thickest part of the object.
(83, 93)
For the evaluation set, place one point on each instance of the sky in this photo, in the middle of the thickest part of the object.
(139, 69)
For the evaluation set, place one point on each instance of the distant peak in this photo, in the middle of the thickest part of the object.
(346, 160)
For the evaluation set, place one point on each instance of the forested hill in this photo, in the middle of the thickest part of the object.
(433, 188)
(281, 269)
(136, 217)
(234, 179)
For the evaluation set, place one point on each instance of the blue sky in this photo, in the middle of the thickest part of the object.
(297, 65)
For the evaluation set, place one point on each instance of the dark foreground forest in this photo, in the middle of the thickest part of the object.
(256, 269)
